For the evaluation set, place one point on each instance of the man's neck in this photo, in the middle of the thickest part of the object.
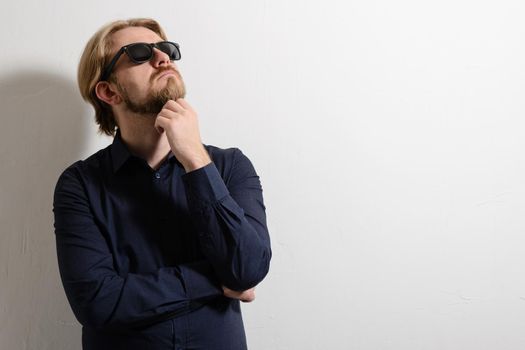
(144, 141)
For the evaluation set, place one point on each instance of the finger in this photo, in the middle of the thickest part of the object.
(159, 129)
(168, 113)
(173, 106)
(160, 123)
(248, 300)
(184, 103)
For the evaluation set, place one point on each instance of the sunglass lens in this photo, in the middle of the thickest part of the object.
(170, 49)
(140, 52)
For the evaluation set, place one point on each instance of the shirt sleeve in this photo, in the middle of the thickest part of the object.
(98, 295)
(231, 221)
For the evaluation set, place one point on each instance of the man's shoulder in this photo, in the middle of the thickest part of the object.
(225, 158)
(90, 166)
(230, 161)
(221, 154)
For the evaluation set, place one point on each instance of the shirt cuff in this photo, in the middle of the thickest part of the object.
(205, 184)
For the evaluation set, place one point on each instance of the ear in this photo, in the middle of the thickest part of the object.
(107, 92)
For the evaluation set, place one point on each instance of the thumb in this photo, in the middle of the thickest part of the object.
(158, 125)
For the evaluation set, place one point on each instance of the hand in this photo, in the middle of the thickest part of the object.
(179, 121)
(244, 296)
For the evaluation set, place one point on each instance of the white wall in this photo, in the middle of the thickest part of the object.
(388, 136)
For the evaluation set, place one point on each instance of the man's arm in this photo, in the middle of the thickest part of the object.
(231, 220)
(98, 295)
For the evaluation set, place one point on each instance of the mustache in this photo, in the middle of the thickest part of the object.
(167, 69)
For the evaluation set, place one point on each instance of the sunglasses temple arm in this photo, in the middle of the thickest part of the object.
(109, 67)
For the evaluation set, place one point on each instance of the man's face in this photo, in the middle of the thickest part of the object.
(145, 87)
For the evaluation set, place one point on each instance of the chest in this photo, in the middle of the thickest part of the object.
(145, 221)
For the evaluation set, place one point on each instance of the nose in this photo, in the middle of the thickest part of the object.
(160, 58)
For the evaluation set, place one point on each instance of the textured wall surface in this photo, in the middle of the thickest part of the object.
(389, 140)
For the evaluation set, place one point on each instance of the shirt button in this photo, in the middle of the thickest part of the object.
(157, 175)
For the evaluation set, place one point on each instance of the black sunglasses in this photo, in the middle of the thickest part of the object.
(143, 52)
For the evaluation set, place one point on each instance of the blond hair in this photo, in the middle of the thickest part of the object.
(95, 58)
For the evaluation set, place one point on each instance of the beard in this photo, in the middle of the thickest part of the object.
(155, 100)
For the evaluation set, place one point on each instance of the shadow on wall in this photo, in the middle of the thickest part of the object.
(43, 117)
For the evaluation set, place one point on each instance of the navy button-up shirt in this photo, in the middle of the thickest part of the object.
(143, 253)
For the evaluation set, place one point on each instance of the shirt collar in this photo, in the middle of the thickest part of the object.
(120, 153)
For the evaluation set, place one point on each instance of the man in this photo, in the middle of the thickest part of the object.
(159, 237)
